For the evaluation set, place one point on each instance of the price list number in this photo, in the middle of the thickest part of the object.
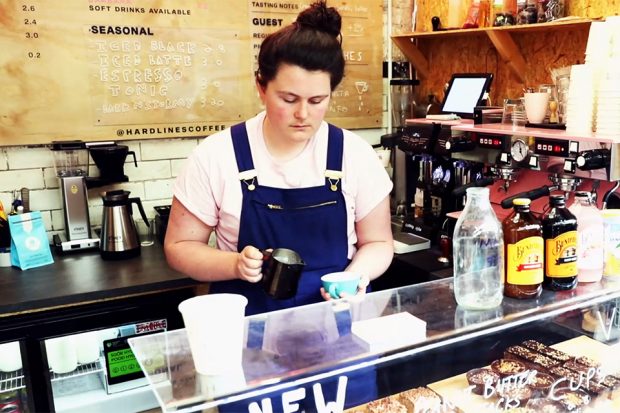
(31, 32)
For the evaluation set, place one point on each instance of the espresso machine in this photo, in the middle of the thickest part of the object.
(71, 165)
(435, 181)
(534, 163)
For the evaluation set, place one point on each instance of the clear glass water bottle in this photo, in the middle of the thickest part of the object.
(478, 245)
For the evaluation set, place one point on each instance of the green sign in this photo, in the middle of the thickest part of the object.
(122, 362)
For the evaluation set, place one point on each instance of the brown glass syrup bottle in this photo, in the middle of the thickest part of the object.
(524, 252)
(560, 234)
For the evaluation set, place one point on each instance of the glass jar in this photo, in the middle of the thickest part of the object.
(478, 254)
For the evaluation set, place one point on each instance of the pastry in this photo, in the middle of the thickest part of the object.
(576, 379)
(514, 393)
(508, 367)
(478, 378)
(420, 399)
(587, 361)
(386, 405)
(532, 359)
(591, 320)
(572, 400)
(541, 384)
(545, 350)
(545, 405)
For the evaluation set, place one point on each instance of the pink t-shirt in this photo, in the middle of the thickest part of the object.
(209, 185)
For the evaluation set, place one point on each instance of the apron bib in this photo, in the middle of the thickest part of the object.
(311, 221)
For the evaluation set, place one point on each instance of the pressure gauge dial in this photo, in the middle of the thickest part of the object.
(519, 150)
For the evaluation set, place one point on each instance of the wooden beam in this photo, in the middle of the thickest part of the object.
(413, 54)
(509, 52)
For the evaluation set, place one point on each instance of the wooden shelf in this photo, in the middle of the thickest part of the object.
(501, 37)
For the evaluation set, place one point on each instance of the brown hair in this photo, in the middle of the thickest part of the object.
(312, 42)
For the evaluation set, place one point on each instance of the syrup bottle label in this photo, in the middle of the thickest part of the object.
(525, 261)
(561, 255)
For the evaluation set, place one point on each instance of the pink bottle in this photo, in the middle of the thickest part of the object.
(590, 237)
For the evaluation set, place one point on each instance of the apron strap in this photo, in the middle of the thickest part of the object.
(333, 172)
(243, 156)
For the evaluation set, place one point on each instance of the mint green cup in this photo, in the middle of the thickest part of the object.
(336, 283)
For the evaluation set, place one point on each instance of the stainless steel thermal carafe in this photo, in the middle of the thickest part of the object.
(119, 238)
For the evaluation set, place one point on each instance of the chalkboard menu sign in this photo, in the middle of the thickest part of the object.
(139, 69)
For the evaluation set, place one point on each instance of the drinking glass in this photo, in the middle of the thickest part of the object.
(553, 97)
(514, 112)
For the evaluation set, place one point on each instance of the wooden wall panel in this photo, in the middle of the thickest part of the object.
(542, 50)
(593, 9)
(103, 70)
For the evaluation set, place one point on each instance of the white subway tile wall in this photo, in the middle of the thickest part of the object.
(159, 162)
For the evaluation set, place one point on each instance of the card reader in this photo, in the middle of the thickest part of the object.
(405, 242)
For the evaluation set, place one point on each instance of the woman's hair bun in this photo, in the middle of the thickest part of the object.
(320, 17)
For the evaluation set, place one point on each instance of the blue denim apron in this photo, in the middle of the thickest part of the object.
(311, 221)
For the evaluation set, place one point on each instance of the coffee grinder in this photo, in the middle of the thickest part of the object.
(403, 108)
(71, 165)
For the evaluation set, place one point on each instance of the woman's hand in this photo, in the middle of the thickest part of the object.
(249, 264)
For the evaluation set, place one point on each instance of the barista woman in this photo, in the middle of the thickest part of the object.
(284, 179)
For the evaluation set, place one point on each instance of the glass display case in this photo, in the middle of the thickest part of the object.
(84, 377)
(345, 354)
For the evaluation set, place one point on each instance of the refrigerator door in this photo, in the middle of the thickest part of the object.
(85, 378)
(13, 393)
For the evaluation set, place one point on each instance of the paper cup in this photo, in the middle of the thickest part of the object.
(215, 330)
(337, 283)
(10, 357)
(61, 354)
(87, 347)
(536, 105)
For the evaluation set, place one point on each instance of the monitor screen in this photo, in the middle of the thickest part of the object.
(464, 93)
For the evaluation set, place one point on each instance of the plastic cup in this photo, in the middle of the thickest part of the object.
(146, 233)
(215, 329)
(514, 112)
(337, 283)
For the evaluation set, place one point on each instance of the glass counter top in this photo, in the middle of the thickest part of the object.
(290, 348)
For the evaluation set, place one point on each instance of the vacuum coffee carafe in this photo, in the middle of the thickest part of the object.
(119, 238)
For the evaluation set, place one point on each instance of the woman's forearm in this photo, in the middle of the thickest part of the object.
(202, 262)
(372, 259)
